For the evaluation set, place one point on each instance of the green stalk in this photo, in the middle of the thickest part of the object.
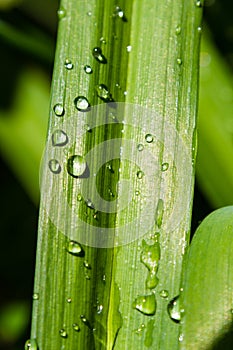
(111, 287)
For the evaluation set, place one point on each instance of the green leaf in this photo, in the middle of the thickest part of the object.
(111, 266)
(207, 285)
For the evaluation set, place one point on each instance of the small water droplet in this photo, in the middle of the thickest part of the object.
(149, 138)
(109, 167)
(90, 204)
(35, 296)
(199, 30)
(173, 309)
(68, 64)
(61, 13)
(129, 48)
(85, 321)
(103, 93)
(81, 103)
(198, 4)
(74, 248)
(54, 166)
(159, 212)
(146, 304)
(89, 13)
(120, 13)
(68, 300)
(140, 147)
(140, 329)
(178, 30)
(103, 41)
(59, 138)
(140, 174)
(87, 265)
(137, 192)
(98, 55)
(165, 166)
(88, 69)
(179, 61)
(63, 333)
(150, 256)
(79, 197)
(181, 337)
(163, 293)
(59, 110)
(125, 93)
(76, 327)
(31, 344)
(76, 166)
(99, 309)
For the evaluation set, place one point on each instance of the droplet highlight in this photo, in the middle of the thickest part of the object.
(59, 110)
(120, 13)
(98, 55)
(31, 344)
(76, 166)
(59, 138)
(54, 166)
(173, 309)
(146, 304)
(61, 13)
(81, 103)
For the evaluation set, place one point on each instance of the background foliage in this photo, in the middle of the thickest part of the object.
(27, 42)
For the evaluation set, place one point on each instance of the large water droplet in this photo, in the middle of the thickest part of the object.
(76, 166)
(54, 166)
(68, 64)
(76, 327)
(103, 93)
(61, 13)
(88, 69)
(74, 248)
(63, 333)
(59, 110)
(173, 309)
(149, 138)
(150, 257)
(146, 304)
(31, 344)
(59, 138)
(82, 104)
(98, 55)
(159, 212)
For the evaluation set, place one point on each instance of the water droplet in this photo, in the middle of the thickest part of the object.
(79, 197)
(199, 30)
(129, 48)
(90, 204)
(85, 321)
(103, 93)
(163, 293)
(54, 166)
(137, 192)
(88, 69)
(59, 110)
(159, 212)
(63, 333)
(140, 329)
(81, 103)
(179, 61)
(198, 4)
(68, 300)
(98, 55)
(178, 30)
(76, 166)
(125, 93)
(149, 138)
(35, 296)
(103, 41)
(181, 337)
(140, 147)
(68, 64)
(165, 166)
(89, 13)
(87, 265)
(76, 327)
(140, 174)
(173, 309)
(109, 167)
(59, 138)
(74, 248)
(150, 257)
(120, 13)
(146, 304)
(31, 344)
(61, 13)
(99, 309)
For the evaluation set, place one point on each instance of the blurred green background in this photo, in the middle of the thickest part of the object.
(27, 44)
